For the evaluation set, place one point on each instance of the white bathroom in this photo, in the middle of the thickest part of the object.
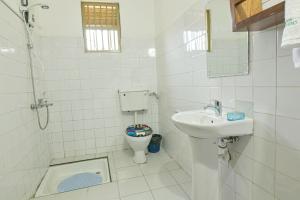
(149, 99)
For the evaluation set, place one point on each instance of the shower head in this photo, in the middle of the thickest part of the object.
(43, 6)
(25, 10)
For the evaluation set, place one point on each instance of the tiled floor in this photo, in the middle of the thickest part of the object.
(161, 178)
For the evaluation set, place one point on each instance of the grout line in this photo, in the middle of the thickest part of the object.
(117, 178)
(276, 117)
(150, 190)
(181, 187)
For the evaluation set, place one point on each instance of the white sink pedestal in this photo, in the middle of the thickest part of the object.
(205, 169)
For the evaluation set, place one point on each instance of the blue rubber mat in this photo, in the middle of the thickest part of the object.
(79, 181)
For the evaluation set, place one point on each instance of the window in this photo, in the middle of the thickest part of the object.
(101, 26)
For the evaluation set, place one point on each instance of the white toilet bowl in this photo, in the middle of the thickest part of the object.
(139, 145)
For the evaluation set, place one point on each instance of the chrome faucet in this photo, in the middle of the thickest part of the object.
(216, 106)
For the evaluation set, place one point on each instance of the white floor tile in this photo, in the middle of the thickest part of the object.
(170, 193)
(156, 181)
(187, 188)
(172, 165)
(140, 196)
(124, 162)
(153, 168)
(123, 153)
(133, 186)
(123, 158)
(105, 192)
(161, 156)
(129, 172)
(181, 176)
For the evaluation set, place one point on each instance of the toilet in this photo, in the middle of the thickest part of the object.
(136, 101)
(139, 145)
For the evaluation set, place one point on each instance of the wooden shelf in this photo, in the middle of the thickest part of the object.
(262, 20)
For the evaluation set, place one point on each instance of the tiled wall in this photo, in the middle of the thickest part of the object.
(24, 155)
(265, 166)
(86, 117)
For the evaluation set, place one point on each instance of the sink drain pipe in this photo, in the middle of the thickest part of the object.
(223, 150)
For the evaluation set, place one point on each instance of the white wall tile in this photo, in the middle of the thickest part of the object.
(288, 162)
(228, 96)
(264, 72)
(243, 166)
(287, 100)
(243, 187)
(286, 188)
(288, 132)
(244, 94)
(265, 99)
(263, 45)
(260, 194)
(227, 193)
(287, 74)
(263, 177)
(264, 126)
(264, 152)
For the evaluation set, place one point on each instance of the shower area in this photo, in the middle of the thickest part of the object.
(75, 175)
(63, 175)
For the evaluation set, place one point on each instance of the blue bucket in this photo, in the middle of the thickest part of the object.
(154, 146)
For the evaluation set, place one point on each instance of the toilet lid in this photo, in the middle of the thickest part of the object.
(139, 130)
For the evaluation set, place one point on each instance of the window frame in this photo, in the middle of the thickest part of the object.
(83, 3)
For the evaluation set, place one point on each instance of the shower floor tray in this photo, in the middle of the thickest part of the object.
(76, 175)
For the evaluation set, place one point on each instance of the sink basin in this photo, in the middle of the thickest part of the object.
(202, 124)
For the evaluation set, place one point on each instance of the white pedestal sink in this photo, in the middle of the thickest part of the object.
(203, 130)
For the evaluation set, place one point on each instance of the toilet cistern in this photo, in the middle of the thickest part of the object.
(134, 101)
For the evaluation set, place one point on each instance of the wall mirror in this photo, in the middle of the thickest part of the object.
(228, 51)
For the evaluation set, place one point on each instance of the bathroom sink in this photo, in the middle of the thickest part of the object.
(204, 128)
(202, 124)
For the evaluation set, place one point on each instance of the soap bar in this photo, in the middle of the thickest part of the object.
(235, 116)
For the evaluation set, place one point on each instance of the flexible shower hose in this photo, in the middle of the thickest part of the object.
(30, 52)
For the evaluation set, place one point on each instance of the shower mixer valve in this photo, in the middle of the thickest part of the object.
(41, 104)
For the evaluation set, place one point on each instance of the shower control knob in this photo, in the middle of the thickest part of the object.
(41, 104)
